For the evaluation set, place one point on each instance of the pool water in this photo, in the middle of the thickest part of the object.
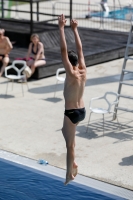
(122, 14)
(19, 182)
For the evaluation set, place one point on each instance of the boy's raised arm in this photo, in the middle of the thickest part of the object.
(63, 45)
(81, 60)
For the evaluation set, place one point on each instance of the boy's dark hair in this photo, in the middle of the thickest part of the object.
(73, 58)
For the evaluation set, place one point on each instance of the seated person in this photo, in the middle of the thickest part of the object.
(5, 48)
(36, 50)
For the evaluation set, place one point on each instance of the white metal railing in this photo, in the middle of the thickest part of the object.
(92, 15)
(88, 15)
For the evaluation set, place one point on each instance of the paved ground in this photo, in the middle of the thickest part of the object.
(30, 126)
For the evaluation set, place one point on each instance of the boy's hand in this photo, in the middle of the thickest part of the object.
(74, 24)
(61, 21)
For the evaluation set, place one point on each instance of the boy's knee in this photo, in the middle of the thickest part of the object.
(70, 145)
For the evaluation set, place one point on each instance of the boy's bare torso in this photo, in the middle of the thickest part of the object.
(74, 89)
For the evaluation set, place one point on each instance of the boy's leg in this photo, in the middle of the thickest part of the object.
(68, 131)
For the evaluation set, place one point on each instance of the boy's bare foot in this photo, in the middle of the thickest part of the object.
(68, 179)
(75, 171)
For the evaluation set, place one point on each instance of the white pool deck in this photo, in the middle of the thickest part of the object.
(31, 126)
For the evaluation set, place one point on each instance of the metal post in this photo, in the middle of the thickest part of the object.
(2, 8)
(88, 122)
(7, 87)
(53, 9)
(37, 6)
(31, 17)
(17, 9)
(71, 10)
(119, 3)
(114, 9)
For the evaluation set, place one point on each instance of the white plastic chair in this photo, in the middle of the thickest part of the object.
(19, 76)
(59, 78)
(103, 110)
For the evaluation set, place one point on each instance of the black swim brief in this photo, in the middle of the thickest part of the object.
(75, 115)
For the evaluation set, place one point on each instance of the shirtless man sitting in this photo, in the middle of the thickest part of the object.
(73, 93)
(5, 48)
